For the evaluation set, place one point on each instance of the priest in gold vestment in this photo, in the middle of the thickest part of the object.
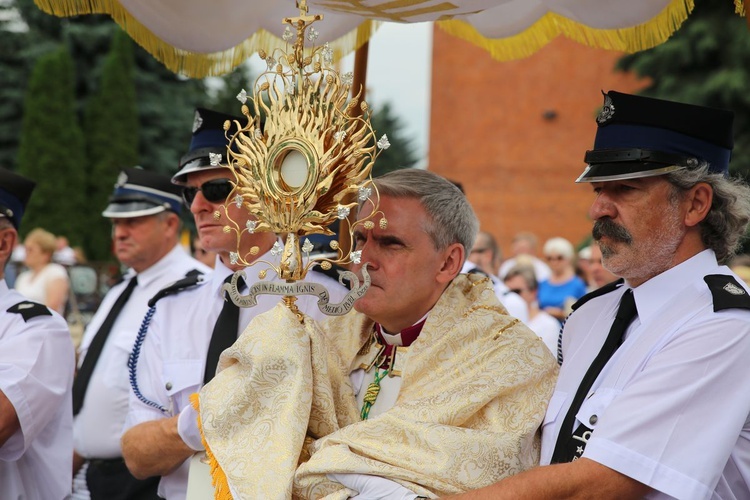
(427, 388)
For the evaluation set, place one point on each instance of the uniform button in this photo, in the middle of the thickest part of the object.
(168, 386)
(593, 419)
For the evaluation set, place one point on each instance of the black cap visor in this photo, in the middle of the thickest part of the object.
(129, 208)
(621, 164)
(198, 161)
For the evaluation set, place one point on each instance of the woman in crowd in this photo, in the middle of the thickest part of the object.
(521, 279)
(563, 287)
(45, 281)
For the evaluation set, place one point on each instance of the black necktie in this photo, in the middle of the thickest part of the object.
(225, 331)
(567, 446)
(83, 377)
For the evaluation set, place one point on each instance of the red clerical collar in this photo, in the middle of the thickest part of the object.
(408, 335)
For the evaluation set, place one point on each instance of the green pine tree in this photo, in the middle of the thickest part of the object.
(165, 100)
(401, 152)
(111, 125)
(706, 62)
(51, 151)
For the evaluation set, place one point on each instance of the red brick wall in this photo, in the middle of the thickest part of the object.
(487, 131)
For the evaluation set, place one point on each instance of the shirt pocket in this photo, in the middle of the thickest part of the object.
(593, 407)
(552, 420)
(181, 378)
(118, 349)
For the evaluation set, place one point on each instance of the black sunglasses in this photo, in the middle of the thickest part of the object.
(214, 191)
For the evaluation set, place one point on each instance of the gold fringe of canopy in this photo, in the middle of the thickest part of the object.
(197, 65)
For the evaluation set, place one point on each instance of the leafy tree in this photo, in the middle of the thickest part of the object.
(707, 62)
(51, 151)
(228, 86)
(111, 125)
(401, 152)
(165, 100)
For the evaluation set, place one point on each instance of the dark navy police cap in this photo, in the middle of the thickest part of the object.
(209, 138)
(15, 191)
(139, 193)
(644, 137)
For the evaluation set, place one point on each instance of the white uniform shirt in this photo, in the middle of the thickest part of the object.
(173, 356)
(36, 374)
(98, 426)
(670, 409)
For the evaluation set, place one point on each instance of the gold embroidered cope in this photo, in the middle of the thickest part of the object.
(475, 387)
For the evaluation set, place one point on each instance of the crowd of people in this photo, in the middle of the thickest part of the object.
(605, 372)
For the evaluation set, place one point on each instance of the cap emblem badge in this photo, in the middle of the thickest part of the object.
(197, 121)
(607, 112)
(122, 179)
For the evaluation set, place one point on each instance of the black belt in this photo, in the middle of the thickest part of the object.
(107, 465)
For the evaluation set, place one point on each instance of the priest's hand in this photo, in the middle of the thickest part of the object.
(373, 487)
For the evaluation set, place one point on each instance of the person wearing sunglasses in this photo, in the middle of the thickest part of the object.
(521, 279)
(178, 353)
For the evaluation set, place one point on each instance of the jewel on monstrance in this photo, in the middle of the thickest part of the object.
(347, 78)
(255, 250)
(242, 96)
(250, 225)
(383, 223)
(383, 142)
(340, 135)
(238, 201)
(364, 193)
(287, 34)
(234, 257)
(325, 265)
(356, 256)
(342, 212)
(369, 224)
(277, 249)
(227, 229)
(327, 54)
(214, 158)
(307, 247)
(312, 35)
(271, 62)
(334, 245)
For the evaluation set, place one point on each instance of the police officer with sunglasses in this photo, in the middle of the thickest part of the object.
(161, 429)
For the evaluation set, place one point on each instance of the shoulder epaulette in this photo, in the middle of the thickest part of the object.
(611, 287)
(727, 292)
(29, 310)
(333, 272)
(176, 287)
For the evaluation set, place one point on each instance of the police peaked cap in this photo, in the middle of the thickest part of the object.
(643, 137)
(15, 191)
(140, 192)
(209, 137)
